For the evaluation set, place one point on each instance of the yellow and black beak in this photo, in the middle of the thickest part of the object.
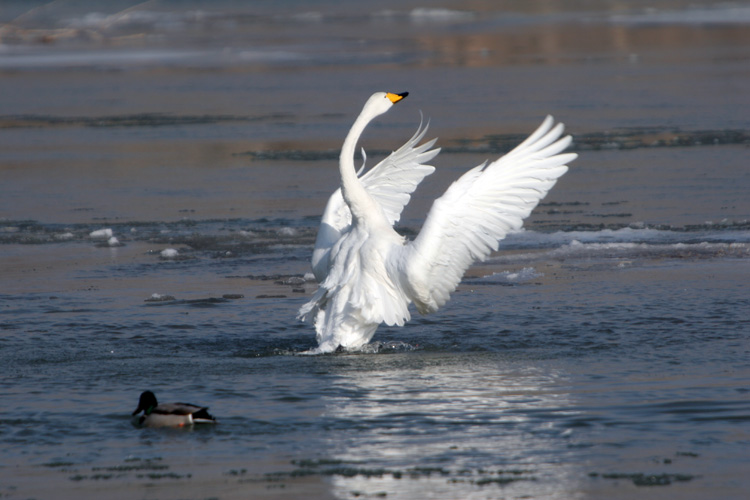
(394, 98)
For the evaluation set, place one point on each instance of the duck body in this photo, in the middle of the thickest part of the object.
(170, 414)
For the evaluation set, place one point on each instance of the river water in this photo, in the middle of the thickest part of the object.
(603, 352)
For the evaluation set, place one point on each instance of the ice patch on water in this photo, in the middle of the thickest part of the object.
(134, 19)
(577, 248)
(627, 235)
(169, 253)
(293, 280)
(513, 277)
(630, 244)
(722, 14)
(158, 297)
(108, 58)
(436, 15)
(101, 233)
(631, 251)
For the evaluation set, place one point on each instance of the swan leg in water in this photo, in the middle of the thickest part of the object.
(369, 274)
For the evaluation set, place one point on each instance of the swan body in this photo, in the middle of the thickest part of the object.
(170, 414)
(369, 274)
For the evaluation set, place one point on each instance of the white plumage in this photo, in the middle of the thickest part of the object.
(369, 274)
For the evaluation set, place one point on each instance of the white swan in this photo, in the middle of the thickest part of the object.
(369, 274)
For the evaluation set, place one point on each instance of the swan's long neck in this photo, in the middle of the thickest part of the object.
(355, 195)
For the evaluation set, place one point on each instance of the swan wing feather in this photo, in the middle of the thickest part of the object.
(391, 183)
(477, 211)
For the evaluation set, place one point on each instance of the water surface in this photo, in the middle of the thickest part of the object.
(601, 353)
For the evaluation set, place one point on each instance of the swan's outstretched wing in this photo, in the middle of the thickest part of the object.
(479, 209)
(390, 183)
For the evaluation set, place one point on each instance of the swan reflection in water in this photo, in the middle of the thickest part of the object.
(439, 425)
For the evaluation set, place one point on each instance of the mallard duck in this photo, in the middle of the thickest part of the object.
(170, 414)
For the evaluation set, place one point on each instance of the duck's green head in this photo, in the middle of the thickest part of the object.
(146, 403)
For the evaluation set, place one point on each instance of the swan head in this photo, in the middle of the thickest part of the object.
(380, 102)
